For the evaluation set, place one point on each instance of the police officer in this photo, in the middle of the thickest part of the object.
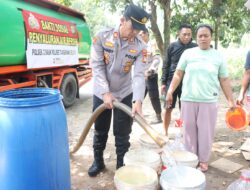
(151, 76)
(114, 52)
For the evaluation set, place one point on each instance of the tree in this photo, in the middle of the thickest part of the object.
(165, 6)
(66, 3)
(95, 14)
(227, 17)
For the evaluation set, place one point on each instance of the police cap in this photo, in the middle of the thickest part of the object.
(138, 16)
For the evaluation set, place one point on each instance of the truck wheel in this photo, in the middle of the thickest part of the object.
(69, 90)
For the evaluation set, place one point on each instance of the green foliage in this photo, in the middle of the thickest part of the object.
(236, 67)
(95, 13)
(64, 2)
(230, 16)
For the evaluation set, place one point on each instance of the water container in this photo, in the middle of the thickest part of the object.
(182, 178)
(243, 183)
(147, 142)
(237, 119)
(181, 157)
(136, 178)
(143, 157)
(34, 152)
(178, 143)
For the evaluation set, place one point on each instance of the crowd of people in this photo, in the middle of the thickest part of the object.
(125, 68)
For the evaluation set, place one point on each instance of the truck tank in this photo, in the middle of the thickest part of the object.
(12, 32)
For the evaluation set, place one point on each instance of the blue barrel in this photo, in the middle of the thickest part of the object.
(34, 151)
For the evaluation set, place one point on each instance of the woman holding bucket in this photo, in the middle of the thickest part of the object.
(203, 71)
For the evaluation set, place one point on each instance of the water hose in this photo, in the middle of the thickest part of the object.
(159, 140)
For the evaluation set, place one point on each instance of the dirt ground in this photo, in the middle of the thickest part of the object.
(226, 145)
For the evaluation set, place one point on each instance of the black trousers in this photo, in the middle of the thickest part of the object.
(121, 127)
(153, 91)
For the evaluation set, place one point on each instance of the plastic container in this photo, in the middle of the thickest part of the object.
(143, 157)
(178, 141)
(181, 157)
(182, 178)
(237, 119)
(147, 142)
(136, 178)
(167, 159)
(34, 140)
(243, 183)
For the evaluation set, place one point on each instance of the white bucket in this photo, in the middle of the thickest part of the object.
(143, 157)
(181, 157)
(136, 178)
(148, 143)
(182, 178)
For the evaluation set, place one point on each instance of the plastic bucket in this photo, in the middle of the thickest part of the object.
(34, 140)
(181, 157)
(237, 119)
(147, 142)
(136, 178)
(182, 178)
(143, 157)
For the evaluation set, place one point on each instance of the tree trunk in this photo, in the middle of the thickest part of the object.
(167, 15)
(154, 27)
(217, 14)
(165, 5)
(216, 33)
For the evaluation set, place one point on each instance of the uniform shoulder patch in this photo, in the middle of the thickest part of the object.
(144, 56)
(94, 40)
(115, 35)
(144, 52)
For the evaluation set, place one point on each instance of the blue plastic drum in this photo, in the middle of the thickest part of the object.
(34, 151)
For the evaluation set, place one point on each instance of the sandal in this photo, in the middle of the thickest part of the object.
(203, 166)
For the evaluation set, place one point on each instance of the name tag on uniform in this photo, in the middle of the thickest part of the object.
(109, 44)
(132, 51)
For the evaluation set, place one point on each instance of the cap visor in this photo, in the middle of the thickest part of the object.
(138, 26)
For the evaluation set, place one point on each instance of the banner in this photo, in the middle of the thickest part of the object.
(50, 42)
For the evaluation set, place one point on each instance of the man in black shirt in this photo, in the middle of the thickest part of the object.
(173, 54)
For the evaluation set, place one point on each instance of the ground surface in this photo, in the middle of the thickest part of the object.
(226, 145)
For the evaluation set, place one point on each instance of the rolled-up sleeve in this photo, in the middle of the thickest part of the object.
(99, 68)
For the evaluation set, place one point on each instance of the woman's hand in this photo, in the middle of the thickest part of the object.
(240, 99)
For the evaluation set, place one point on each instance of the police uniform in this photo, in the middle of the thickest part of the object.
(112, 59)
(154, 60)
